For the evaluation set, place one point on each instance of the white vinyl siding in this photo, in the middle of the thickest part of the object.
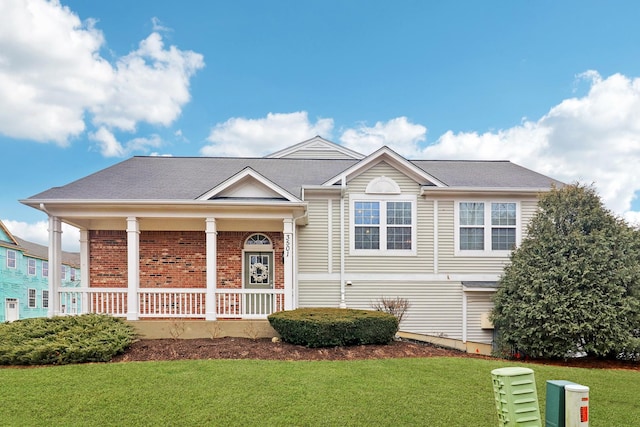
(312, 293)
(436, 308)
(478, 303)
(313, 245)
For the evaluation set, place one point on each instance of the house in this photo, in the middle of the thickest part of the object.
(315, 224)
(24, 278)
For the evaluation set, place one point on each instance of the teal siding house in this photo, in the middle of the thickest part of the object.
(24, 278)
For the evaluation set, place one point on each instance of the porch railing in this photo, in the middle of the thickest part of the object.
(173, 303)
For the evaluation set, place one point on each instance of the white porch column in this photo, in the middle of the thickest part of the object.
(133, 267)
(288, 263)
(84, 270)
(212, 244)
(55, 265)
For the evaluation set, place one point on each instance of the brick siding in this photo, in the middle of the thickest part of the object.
(173, 259)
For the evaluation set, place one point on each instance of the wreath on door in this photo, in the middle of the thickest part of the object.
(259, 272)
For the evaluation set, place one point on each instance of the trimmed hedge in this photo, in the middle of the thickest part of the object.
(64, 340)
(331, 327)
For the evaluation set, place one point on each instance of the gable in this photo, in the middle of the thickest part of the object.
(5, 235)
(316, 148)
(395, 161)
(248, 184)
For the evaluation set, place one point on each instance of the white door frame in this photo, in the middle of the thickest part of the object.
(13, 313)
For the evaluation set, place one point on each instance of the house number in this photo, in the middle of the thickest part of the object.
(287, 244)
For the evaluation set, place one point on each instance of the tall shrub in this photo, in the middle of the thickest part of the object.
(572, 285)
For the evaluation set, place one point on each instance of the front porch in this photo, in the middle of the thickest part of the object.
(176, 303)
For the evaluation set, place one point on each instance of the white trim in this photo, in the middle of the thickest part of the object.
(8, 301)
(211, 232)
(487, 252)
(133, 268)
(395, 160)
(435, 236)
(55, 264)
(244, 174)
(464, 317)
(329, 236)
(315, 143)
(35, 266)
(402, 277)
(383, 200)
(35, 298)
(15, 259)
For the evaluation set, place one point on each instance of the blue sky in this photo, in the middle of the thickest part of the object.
(554, 86)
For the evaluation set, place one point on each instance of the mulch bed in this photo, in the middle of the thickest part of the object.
(265, 349)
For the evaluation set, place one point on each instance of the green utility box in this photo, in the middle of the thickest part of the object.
(516, 398)
(555, 406)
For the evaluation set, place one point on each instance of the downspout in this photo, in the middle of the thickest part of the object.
(343, 186)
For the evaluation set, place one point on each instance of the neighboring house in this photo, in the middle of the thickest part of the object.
(24, 278)
(316, 224)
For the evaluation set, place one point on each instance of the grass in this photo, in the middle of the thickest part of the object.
(395, 392)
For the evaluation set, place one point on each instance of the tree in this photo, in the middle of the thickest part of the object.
(573, 284)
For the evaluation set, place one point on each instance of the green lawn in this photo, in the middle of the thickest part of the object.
(396, 392)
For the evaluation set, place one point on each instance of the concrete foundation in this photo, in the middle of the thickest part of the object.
(190, 329)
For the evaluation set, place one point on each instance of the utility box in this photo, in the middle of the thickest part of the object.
(516, 398)
(576, 398)
(555, 404)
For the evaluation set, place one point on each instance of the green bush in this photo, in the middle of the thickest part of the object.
(331, 327)
(64, 340)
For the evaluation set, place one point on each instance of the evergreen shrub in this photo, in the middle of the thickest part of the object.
(63, 340)
(331, 327)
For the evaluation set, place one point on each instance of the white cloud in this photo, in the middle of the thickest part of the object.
(52, 74)
(150, 85)
(38, 233)
(257, 137)
(398, 134)
(110, 147)
(591, 139)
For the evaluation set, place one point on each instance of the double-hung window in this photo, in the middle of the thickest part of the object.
(31, 267)
(11, 259)
(45, 299)
(486, 228)
(385, 227)
(45, 269)
(32, 298)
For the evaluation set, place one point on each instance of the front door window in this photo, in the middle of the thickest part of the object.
(259, 274)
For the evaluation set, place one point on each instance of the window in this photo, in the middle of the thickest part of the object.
(45, 269)
(383, 226)
(73, 274)
(11, 259)
(45, 299)
(486, 227)
(32, 298)
(63, 273)
(31, 267)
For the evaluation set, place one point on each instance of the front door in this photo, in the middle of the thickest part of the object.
(12, 309)
(258, 274)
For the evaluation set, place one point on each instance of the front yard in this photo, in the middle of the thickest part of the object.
(435, 391)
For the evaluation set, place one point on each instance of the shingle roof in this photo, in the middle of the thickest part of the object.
(39, 251)
(187, 178)
(485, 174)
